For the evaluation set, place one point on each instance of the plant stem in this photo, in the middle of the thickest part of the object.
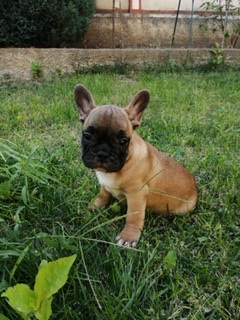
(227, 6)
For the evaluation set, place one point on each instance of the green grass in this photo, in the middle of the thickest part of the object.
(45, 190)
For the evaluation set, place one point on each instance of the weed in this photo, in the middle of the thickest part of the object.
(58, 72)
(116, 67)
(50, 278)
(217, 59)
(220, 12)
(36, 69)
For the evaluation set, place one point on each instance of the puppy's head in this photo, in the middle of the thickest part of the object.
(107, 130)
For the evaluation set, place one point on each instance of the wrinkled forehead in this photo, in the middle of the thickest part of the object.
(109, 117)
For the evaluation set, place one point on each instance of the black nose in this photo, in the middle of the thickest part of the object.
(102, 155)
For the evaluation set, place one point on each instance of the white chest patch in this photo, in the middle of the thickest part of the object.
(107, 180)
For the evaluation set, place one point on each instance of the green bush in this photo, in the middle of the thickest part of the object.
(44, 23)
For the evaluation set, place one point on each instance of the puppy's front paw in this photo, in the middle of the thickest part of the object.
(93, 207)
(101, 200)
(129, 236)
(98, 203)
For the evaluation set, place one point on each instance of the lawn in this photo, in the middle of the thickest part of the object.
(184, 267)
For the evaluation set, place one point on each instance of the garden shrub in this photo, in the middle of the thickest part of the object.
(44, 23)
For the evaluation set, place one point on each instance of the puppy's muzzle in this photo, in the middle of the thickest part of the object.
(102, 155)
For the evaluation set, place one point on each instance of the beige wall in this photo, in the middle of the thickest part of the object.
(170, 5)
(108, 4)
(155, 5)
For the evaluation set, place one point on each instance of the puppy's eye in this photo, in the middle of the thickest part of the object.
(123, 141)
(87, 136)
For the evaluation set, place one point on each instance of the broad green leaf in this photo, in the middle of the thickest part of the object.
(43, 263)
(202, 239)
(116, 207)
(170, 260)
(45, 310)
(52, 276)
(2, 317)
(21, 298)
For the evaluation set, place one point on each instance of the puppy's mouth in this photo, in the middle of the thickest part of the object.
(105, 163)
(100, 170)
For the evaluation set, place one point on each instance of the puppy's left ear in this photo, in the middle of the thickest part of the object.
(137, 106)
(84, 100)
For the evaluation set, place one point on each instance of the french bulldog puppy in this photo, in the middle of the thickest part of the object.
(128, 167)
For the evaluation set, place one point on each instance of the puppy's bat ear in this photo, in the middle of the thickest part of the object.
(137, 106)
(84, 100)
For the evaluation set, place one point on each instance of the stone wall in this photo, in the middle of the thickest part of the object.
(15, 63)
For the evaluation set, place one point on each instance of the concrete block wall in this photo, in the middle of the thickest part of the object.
(15, 63)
